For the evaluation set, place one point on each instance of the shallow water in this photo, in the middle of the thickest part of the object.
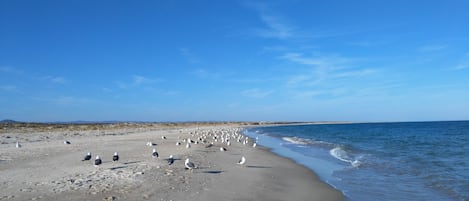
(380, 161)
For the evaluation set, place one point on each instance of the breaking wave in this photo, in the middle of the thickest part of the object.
(342, 155)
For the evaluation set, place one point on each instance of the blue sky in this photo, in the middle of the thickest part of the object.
(234, 60)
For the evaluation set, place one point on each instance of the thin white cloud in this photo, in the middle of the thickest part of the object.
(432, 48)
(317, 61)
(276, 27)
(324, 68)
(138, 80)
(55, 79)
(463, 64)
(205, 74)
(8, 88)
(356, 73)
(7, 69)
(64, 100)
(106, 90)
(256, 93)
(189, 55)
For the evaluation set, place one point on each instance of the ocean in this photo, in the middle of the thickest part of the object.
(379, 161)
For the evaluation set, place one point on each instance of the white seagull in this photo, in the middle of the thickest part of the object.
(67, 142)
(189, 165)
(188, 145)
(115, 157)
(222, 149)
(170, 160)
(18, 145)
(98, 161)
(87, 157)
(154, 154)
(242, 161)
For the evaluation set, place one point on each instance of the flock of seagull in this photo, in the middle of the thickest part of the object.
(208, 137)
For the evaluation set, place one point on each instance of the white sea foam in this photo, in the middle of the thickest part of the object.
(297, 140)
(342, 155)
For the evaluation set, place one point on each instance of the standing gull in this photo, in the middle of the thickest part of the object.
(170, 160)
(87, 157)
(98, 161)
(222, 149)
(189, 165)
(18, 145)
(188, 145)
(115, 157)
(242, 161)
(154, 154)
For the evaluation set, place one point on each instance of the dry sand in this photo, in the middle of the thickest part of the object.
(45, 168)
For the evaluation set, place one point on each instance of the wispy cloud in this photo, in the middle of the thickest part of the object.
(205, 74)
(189, 55)
(256, 93)
(356, 73)
(8, 88)
(63, 100)
(463, 64)
(276, 27)
(331, 62)
(7, 69)
(369, 43)
(136, 80)
(54, 79)
(431, 48)
(323, 68)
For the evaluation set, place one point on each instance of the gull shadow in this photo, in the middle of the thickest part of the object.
(257, 166)
(213, 171)
(119, 167)
(131, 162)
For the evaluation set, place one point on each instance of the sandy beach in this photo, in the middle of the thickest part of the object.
(46, 168)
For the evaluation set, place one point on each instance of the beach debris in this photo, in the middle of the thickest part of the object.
(18, 145)
(154, 154)
(115, 157)
(87, 157)
(242, 161)
(67, 142)
(189, 165)
(98, 161)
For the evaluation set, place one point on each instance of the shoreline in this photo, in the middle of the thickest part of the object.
(46, 169)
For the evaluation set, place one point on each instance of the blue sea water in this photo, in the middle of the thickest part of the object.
(380, 161)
